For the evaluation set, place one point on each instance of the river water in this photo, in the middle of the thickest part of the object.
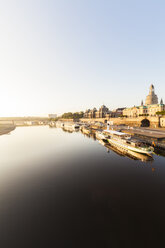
(61, 189)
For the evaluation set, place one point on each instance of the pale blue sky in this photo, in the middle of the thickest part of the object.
(70, 55)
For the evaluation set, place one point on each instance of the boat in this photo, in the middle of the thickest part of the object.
(128, 153)
(100, 135)
(59, 124)
(86, 130)
(71, 125)
(84, 125)
(68, 130)
(125, 142)
(52, 124)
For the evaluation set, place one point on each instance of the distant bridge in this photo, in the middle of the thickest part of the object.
(23, 120)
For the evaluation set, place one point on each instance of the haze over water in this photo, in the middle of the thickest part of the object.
(60, 189)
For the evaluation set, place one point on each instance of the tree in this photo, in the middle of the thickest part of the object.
(70, 115)
(160, 113)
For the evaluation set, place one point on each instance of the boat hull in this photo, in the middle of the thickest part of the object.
(127, 147)
(100, 136)
(128, 153)
(86, 131)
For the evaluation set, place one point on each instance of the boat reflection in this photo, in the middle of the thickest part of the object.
(70, 129)
(130, 154)
(121, 152)
(89, 135)
(159, 152)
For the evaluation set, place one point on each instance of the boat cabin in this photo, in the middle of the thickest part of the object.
(117, 134)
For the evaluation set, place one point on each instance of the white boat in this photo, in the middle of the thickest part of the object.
(71, 125)
(86, 130)
(59, 124)
(52, 124)
(125, 142)
(76, 126)
(101, 135)
(130, 154)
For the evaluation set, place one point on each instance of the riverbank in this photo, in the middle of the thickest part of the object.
(5, 129)
(153, 137)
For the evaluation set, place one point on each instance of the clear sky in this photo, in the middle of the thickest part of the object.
(70, 55)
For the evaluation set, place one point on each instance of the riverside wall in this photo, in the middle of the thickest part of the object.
(69, 120)
(154, 122)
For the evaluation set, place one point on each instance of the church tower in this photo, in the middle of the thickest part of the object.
(152, 97)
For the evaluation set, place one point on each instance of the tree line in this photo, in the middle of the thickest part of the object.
(160, 113)
(70, 115)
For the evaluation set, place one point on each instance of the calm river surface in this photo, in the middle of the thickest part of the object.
(61, 189)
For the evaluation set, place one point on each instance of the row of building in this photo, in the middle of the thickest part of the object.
(150, 108)
(103, 112)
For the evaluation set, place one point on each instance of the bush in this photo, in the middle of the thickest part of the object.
(144, 115)
(160, 113)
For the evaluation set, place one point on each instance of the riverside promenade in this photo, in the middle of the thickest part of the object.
(157, 133)
(151, 136)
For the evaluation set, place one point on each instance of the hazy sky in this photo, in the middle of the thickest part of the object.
(69, 55)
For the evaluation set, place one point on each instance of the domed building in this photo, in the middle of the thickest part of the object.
(152, 97)
(150, 108)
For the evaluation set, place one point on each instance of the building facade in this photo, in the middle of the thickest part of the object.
(150, 108)
(117, 112)
(103, 112)
(162, 121)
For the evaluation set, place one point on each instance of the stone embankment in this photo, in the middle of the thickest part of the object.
(153, 121)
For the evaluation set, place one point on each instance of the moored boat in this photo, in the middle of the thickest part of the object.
(71, 125)
(86, 130)
(130, 154)
(101, 135)
(122, 140)
(59, 124)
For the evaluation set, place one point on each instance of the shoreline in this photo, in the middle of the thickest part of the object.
(6, 129)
